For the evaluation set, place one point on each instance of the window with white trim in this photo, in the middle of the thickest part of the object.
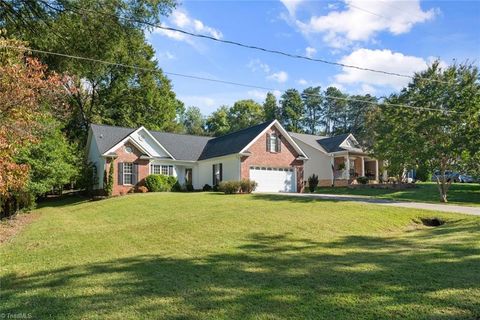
(166, 170)
(273, 143)
(127, 173)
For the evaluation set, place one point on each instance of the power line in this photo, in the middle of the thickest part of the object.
(214, 80)
(248, 46)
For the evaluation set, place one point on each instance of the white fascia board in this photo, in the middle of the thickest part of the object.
(137, 143)
(153, 138)
(283, 132)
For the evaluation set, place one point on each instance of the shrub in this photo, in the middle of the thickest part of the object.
(189, 187)
(159, 183)
(215, 188)
(177, 187)
(312, 182)
(229, 187)
(423, 174)
(362, 180)
(248, 186)
(142, 189)
(207, 187)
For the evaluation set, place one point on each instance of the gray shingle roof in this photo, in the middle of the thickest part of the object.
(107, 136)
(182, 146)
(329, 144)
(332, 144)
(233, 142)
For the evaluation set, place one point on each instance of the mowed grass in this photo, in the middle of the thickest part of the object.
(212, 256)
(459, 193)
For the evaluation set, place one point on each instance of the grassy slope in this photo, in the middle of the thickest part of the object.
(207, 256)
(459, 193)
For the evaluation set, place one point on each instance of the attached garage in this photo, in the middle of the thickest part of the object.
(274, 179)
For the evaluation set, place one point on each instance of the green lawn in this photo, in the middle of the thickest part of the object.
(459, 193)
(211, 256)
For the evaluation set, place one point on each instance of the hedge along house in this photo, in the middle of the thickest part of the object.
(338, 160)
(265, 153)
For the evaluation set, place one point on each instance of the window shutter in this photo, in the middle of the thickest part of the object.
(221, 172)
(120, 173)
(135, 174)
(279, 143)
(268, 142)
(213, 175)
(170, 170)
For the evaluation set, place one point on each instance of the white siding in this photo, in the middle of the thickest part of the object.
(146, 142)
(318, 162)
(230, 168)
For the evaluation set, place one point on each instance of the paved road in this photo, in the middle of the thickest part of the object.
(385, 202)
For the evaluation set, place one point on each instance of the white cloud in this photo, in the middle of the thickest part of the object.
(379, 60)
(198, 101)
(367, 89)
(181, 19)
(260, 95)
(291, 5)
(256, 65)
(362, 20)
(280, 77)
(167, 55)
(310, 52)
(302, 82)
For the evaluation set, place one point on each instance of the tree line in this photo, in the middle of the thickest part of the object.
(313, 111)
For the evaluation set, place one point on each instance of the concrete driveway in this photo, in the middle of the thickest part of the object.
(393, 203)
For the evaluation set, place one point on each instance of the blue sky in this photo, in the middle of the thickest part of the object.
(396, 36)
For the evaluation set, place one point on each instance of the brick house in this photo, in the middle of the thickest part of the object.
(265, 153)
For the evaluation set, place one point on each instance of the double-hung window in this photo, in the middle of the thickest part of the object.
(273, 143)
(127, 173)
(166, 170)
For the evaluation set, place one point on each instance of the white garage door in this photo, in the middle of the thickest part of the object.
(273, 179)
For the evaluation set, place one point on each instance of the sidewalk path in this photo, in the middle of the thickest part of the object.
(394, 203)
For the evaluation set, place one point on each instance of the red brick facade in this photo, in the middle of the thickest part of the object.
(261, 157)
(124, 156)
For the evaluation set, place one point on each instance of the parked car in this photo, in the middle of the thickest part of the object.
(449, 175)
(465, 178)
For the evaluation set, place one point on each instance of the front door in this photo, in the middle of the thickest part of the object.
(188, 175)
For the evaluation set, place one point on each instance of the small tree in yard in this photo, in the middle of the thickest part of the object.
(441, 127)
(312, 182)
(109, 182)
(27, 93)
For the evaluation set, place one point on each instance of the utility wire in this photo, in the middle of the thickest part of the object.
(248, 46)
(216, 80)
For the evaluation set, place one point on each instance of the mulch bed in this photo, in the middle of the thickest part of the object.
(13, 225)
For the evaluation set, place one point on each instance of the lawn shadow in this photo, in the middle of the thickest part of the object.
(65, 200)
(272, 276)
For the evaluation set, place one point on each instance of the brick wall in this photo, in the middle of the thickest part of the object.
(134, 157)
(283, 159)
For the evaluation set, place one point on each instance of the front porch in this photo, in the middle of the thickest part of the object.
(348, 167)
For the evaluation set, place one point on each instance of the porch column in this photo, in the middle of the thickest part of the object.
(347, 166)
(332, 166)
(363, 166)
(376, 170)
